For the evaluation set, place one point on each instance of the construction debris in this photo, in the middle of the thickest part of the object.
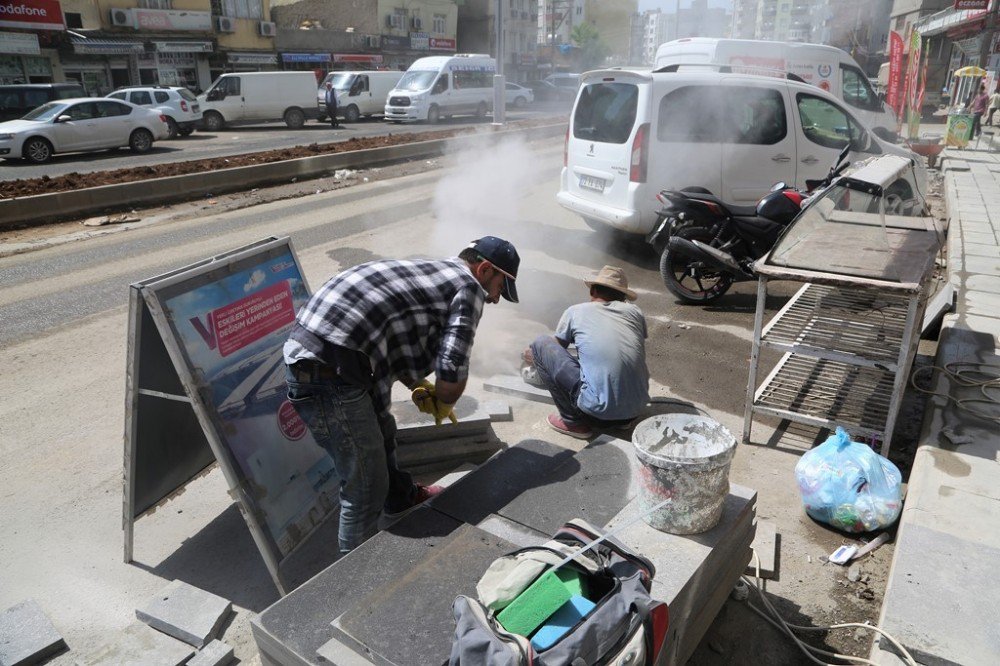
(26, 635)
(186, 612)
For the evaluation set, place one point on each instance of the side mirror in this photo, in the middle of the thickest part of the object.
(64, 118)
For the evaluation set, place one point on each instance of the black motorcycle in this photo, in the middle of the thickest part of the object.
(707, 244)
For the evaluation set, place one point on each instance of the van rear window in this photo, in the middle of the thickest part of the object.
(605, 112)
(722, 114)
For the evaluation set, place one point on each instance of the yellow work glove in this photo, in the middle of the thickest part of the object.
(425, 400)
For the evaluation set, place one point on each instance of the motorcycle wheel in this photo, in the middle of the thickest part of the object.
(689, 279)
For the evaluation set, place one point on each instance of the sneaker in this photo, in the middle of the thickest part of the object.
(578, 431)
(424, 493)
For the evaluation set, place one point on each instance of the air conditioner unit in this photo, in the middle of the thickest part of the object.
(122, 17)
(416, 23)
(225, 24)
(267, 29)
(395, 21)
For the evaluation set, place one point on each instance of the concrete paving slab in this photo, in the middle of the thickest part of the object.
(215, 653)
(456, 474)
(140, 645)
(513, 385)
(446, 453)
(765, 544)
(930, 606)
(979, 303)
(292, 629)
(408, 621)
(27, 636)
(988, 283)
(986, 265)
(516, 533)
(980, 250)
(409, 418)
(186, 612)
(964, 515)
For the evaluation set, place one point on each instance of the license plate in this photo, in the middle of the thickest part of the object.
(592, 183)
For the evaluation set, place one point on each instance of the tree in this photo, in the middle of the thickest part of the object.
(593, 51)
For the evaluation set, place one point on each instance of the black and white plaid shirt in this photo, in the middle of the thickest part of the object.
(408, 317)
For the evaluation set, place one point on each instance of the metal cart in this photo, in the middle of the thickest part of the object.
(850, 333)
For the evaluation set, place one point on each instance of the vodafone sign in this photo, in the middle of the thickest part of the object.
(31, 14)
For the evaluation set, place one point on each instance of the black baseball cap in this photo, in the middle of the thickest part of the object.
(504, 257)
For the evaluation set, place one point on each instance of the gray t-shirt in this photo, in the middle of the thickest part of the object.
(610, 338)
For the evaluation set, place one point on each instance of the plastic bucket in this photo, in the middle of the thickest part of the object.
(685, 457)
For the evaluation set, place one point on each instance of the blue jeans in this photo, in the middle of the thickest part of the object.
(560, 372)
(342, 419)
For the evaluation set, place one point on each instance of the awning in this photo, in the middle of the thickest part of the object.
(946, 19)
(252, 58)
(106, 46)
(357, 57)
(183, 47)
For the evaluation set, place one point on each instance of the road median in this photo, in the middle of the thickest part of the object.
(45, 208)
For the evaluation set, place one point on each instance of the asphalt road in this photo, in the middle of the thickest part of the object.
(246, 139)
(63, 354)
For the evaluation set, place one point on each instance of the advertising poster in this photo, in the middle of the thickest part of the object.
(231, 326)
(914, 90)
(894, 92)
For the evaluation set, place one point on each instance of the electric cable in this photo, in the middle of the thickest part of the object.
(987, 382)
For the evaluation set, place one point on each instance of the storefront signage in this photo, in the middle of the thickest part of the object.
(357, 57)
(419, 41)
(31, 14)
(305, 57)
(972, 4)
(253, 58)
(19, 43)
(183, 47)
(395, 43)
(527, 59)
(440, 44)
(894, 96)
(170, 19)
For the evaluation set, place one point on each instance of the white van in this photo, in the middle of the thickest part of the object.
(358, 93)
(827, 67)
(634, 133)
(443, 86)
(254, 97)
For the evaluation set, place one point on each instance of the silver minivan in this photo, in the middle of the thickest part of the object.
(634, 133)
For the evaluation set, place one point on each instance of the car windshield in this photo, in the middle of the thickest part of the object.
(341, 81)
(417, 80)
(45, 112)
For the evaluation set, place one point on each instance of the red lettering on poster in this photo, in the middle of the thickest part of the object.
(894, 92)
(290, 423)
(249, 319)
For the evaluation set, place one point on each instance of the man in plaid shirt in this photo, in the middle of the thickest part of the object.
(372, 325)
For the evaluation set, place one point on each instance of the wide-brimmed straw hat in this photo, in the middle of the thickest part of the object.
(612, 277)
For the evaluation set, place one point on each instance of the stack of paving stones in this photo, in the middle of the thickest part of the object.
(27, 635)
(940, 599)
(424, 447)
(178, 625)
(389, 601)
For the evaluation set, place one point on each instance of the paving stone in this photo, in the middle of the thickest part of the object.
(765, 544)
(407, 620)
(516, 533)
(215, 653)
(297, 625)
(477, 423)
(27, 635)
(140, 645)
(186, 612)
(428, 456)
(451, 477)
(409, 418)
(517, 387)
(952, 571)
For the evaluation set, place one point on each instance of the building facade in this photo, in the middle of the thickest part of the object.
(519, 26)
(31, 33)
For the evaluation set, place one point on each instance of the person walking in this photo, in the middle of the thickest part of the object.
(368, 327)
(993, 106)
(607, 386)
(979, 109)
(331, 105)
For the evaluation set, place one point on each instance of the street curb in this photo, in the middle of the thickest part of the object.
(44, 208)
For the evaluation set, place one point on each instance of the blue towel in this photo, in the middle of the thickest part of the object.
(561, 622)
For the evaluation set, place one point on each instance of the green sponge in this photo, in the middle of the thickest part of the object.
(573, 581)
(535, 605)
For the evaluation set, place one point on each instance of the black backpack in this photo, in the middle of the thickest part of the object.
(626, 626)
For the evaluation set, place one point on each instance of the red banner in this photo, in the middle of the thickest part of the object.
(894, 94)
(249, 319)
(972, 4)
(31, 14)
(441, 44)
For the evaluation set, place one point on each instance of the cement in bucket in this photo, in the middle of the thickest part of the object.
(684, 457)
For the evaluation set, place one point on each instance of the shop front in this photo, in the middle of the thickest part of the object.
(305, 62)
(102, 65)
(177, 63)
(243, 61)
(22, 59)
(363, 61)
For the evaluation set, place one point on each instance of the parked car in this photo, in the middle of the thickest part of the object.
(634, 133)
(81, 124)
(253, 97)
(565, 81)
(179, 105)
(358, 93)
(547, 91)
(518, 96)
(20, 98)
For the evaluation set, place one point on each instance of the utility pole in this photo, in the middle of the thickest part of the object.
(499, 82)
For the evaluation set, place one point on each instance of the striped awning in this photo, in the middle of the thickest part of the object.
(92, 46)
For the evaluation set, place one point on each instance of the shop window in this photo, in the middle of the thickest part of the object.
(73, 19)
(252, 9)
(439, 23)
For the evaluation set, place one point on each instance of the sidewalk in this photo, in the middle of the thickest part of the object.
(940, 602)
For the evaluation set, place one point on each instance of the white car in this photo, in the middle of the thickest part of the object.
(518, 96)
(179, 105)
(80, 124)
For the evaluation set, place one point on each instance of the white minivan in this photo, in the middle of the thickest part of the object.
(634, 133)
(826, 67)
(254, 97)
(443, 86)
(358, 93)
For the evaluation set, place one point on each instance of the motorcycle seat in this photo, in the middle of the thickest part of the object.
(734, 210)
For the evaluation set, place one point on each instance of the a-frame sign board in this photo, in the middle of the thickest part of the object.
(205, 382)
